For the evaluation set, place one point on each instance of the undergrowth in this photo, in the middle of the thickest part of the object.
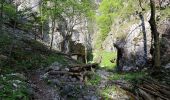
(18, 56)
(105, 58)
(25, 54)
(13, 88)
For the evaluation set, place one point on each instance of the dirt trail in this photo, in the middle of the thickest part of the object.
(41, 90)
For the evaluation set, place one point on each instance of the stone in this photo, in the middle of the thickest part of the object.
(103, 74)
(87, 97)
(131, 40)
(165, 3)
(44, 76)
(56, 66)
(66, 69)
(21, 76)
(94, 97)
(15, 85)
(56, 82)
(28, 49)
(167, 66)
(73, 79)
(1, 86)
(3, 57)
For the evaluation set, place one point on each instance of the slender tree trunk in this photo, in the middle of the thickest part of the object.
(144, 37)
(1, 19)
(14, 28)
(15, 22)
(42, 31)
(35, 34)
(52, 35)
(53, 26)
(156, 52)
(140, 4)
(159, 3)
(86, 54)
(42, 24)
(67, 42)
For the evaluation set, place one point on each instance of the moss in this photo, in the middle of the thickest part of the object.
(9, 10)
(129, 76)
(165, 13)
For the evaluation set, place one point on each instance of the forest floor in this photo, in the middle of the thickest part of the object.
(53, 87)
(24, 73)
(41, 90)
(30, 71)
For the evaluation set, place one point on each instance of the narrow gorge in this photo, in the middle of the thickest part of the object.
(84, 49)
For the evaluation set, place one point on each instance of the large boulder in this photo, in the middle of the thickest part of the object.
(133, 37)
(164, 29)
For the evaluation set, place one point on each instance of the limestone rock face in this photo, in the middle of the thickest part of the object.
(133, 36)
(164, 3)
(80, 35)
(80, 32)
(164, 29)
(23, 4)
(135, 45)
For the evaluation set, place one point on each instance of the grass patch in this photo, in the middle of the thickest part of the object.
(13, 88)
(105, 59)
(94, 80)
(128, 76)
(25, 55)
(107, 92)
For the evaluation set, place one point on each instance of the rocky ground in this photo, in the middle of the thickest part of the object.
(64, 86)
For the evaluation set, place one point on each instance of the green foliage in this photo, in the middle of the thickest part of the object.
(25, 55)
(68, 7)
(13, 88)
(107, 91)
(95, 79)
(111, 10)
(165, 13)
(106, 58)
(129, 76)
(9, 10)
(108, 10)
(21, 59)
(4, 41)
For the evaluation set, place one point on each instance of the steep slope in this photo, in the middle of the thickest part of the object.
(20, 55)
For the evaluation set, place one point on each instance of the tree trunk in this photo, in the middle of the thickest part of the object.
(144, 37)
(119, 58)
(35, 34)
(1, 19)
(42, 24)
(156, 52)
(53, 28)
(42, 31)
(140, 4)
(67, 44)
(86, 54)
(52, 38)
